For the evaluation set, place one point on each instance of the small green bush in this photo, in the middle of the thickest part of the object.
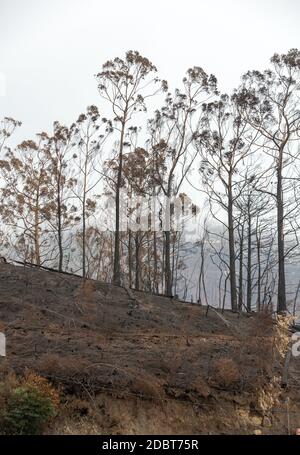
(27, 411)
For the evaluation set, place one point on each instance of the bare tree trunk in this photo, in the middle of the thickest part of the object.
(155, 262)
(258, 271)
(220, 288)
(225, 291)
(201, 281)
(241, 269)
(137, 261)
(174, 262)
(168, 274)
(168, 279)
(281, 302)
(59, 225)
(149, 262)
(249, 262)
(117, 265)
(83, 238)
(163, 264)
(84, 213)
(37, 252)
(295, 298)
(232, 274)
(130, 257)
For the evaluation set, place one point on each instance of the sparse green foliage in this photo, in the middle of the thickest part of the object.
(27, 411)
(27, 404)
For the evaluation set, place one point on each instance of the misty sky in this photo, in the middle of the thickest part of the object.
(51, 49)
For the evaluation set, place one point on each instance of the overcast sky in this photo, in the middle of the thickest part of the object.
(51, 49)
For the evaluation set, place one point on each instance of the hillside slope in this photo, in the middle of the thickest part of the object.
(146, 364)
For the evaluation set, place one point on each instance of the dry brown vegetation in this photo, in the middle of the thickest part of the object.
(225, 374)
(161, 366)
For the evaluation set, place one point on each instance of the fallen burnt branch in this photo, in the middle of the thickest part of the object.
(43, 267)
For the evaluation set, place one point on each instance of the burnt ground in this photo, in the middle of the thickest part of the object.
(143, 365)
